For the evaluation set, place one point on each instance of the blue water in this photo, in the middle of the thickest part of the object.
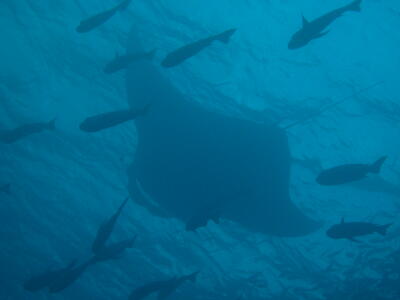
(219, 132)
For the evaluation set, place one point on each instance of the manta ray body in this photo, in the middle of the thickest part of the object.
(189, 157)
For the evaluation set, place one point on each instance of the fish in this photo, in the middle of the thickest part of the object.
(6, 188)
(349, 173)
(68, 277)
(164, 288)
(181, 54)
(19, 133)
(107, 120)
(121, 62)
(187, 151)
(351, 230)
(114, 251)
(105, 230)
(99, 19)
(374, 184)
(315, 29)
(46, 279)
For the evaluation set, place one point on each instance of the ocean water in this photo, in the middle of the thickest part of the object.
(232, 143)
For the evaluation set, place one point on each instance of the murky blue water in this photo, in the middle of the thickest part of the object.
(220, 171)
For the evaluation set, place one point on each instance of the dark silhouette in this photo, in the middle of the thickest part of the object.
(349, 173)
(105, 230)
(180, 55)
(315, 29)
(14, 135)
(185, 156)
(351, 230)
(111, 119)
(100, 18)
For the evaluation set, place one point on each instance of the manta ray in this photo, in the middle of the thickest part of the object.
(189, 157)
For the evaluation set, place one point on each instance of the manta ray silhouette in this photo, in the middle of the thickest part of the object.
(188, 157)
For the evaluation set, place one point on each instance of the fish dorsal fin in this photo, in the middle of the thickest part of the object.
(305, 21)
(342, 221)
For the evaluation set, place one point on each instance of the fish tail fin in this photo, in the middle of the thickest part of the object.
(193, 277)
(355, 5)
(376, 166)
(383, 229)
(51, 125)
(225, 36)
(124, 4)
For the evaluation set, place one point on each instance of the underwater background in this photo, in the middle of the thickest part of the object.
(332, 102)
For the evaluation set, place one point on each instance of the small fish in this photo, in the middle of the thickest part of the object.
(105, 230)
(349, 173)
(315, 29)
(121, 62)
(351, 230)
(6, 189)
(111, 119)
(100, 18)
(180, 55)
(14, 135)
